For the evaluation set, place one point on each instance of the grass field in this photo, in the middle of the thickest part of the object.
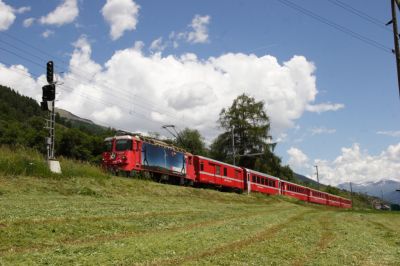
(97, 219)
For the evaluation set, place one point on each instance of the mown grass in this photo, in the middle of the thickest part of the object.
(19, 160)
(85, 218)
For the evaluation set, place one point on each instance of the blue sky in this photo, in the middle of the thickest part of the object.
(332, 98)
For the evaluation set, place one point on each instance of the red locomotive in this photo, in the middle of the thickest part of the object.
(128, 153)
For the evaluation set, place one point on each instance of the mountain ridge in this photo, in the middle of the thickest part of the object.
(385, 189)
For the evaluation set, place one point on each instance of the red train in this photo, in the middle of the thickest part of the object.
(130, 153)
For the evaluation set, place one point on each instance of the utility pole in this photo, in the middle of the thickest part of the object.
(396, 40)
(316, 167)
(351, 194)
(233, 145)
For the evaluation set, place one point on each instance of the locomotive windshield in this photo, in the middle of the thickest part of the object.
(123, 145)
(107, 146)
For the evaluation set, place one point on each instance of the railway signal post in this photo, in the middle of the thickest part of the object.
(48, 104)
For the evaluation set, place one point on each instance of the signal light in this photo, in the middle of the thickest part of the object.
(50, 72)
(44, 106)
(49, 92)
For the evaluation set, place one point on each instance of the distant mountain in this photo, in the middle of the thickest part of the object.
(385, 187)
(305, 180)
(66, 114)
(73, 121)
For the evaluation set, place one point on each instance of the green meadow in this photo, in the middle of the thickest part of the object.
(87, 217)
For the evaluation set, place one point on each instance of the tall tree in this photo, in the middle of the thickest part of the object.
(192, 141)
(247, 126)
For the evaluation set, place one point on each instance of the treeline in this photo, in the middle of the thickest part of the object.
(22, 122)
(245, 139)
(245, 126)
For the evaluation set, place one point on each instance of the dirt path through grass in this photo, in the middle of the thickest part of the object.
(129, 222)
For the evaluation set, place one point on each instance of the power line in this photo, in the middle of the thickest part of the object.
(89, 97)
(20, 56)
(336, 26)
(105, 86)
(107, 103)
(360, 14)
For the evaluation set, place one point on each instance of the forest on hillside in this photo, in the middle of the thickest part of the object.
(22, 122)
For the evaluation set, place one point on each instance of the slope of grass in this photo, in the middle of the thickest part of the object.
(82, 218)
(16, 161)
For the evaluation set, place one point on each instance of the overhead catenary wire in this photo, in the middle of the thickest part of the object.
(336, 26)
(77, 70)
(91, 98)
(106, 89)
(361, 14)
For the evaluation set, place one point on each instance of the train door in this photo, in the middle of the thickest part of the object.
(137, 151)
(190, 172)
(217, 174)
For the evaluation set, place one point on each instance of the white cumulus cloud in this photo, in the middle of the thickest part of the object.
(23, 9)
(324, 107)
(322, 130)
(390, 133)
(7, 14)
(353, 164)
(109, 113)
(65, 13)
(28, 22)
(357, 165)
(47, 33)
(18, 78)
(157, 45)
(122, 15)
(185, 90)
(297, 158)
(199, 33)
(152, 90)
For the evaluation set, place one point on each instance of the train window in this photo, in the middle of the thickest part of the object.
(238, 174)
(123, 145)
(263, 181)
(107, 146)
(225, 171)
(217, 170)
(201, 166)
(254, 178)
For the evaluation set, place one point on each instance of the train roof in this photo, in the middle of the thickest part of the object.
(138, 136)
(215, 161)
(262, 174)
(313, 189)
